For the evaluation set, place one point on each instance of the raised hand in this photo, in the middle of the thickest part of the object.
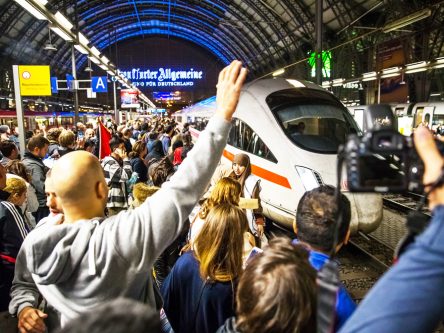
(433, 162)
(229, 86)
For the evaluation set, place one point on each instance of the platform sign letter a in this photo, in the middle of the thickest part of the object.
(99, 84)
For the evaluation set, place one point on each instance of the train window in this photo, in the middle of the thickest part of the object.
(312, 119)
(243, 137)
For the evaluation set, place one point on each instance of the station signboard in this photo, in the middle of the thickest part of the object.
(99, 84)
(34, 80)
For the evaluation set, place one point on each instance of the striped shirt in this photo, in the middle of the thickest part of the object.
(116, 176)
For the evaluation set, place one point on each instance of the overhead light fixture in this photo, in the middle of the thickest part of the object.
(385, 76)
(407, 20)
(49, 46)
(95, 51)
(279, 72)
(83, 40)
(88, 68)
(390, 72)
(370, 76)
(63, 21)
(81, 49)
(326, 84)
(439, 63)
(94, 60)
(62, 34)
(31, 9)
(337, 82)
(105, 68)
(105, 59)
(111, 73)
(416, 67)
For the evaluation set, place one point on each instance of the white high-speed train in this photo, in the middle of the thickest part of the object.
(291, 130)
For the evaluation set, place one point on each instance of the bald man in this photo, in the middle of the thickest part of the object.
(89, 259)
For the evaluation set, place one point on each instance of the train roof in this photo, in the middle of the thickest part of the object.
(263, 87)
(268, 86)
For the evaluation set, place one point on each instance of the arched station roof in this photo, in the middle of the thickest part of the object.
(264, 34)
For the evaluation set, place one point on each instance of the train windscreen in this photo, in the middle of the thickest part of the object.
(312, 119)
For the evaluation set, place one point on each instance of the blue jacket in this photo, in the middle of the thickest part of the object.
(410, 296)
(345, 306)
(191, 308)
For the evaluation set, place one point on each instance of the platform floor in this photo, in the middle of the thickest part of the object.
(392, 228)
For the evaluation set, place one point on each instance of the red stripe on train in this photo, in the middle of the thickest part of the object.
(258, 171)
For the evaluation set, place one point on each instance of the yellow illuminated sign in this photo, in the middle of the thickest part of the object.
(35, 81)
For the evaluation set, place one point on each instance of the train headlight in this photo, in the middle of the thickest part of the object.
(308, 178)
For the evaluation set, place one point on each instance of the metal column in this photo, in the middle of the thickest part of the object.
(19, 108)
(116, 112)
(76, 93)
(319, 33)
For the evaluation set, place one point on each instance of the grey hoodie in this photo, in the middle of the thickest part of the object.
(78, 266)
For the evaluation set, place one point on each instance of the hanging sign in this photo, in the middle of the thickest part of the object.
(99, 84)
(34, 80)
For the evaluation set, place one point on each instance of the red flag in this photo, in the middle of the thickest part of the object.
(104, 137)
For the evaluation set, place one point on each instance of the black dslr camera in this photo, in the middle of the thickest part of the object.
(383, 160)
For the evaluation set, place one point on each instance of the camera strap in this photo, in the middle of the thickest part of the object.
(328, 276)
(328, 286)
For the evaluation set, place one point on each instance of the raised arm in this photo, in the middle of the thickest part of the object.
(159, 220)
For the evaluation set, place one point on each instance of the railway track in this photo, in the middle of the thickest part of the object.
(404, 203)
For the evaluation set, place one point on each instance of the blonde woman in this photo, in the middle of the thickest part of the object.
(199, 292)
(16, 169)
(226, 190)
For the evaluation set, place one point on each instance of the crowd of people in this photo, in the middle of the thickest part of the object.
(156, 237)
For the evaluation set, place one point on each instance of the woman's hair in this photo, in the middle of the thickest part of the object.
(161, 171)
(219, 245)
(242, 160)
(138, 148)
(15, 186)
(18, 168)
(277, 291)
(226, 190)
(67, 138)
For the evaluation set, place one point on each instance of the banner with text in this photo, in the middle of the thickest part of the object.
(162, 77)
